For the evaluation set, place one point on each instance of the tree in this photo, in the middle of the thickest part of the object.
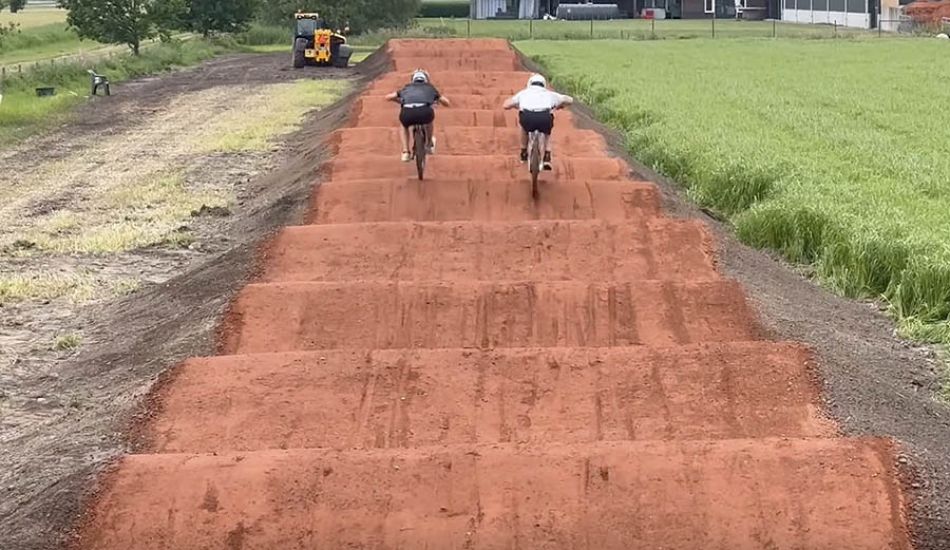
(212, 16)
(128, 22)
(9, 28)
(360, 15)
(17, 5)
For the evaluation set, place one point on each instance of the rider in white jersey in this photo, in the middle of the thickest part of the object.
(536, 105)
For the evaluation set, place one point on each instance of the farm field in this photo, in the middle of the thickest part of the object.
(33, 17)
(42, 34)
(42, 42)
(836, 154)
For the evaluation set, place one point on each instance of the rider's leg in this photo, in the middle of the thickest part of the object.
(429, 132)
(404, 138)
(546, 147)
(524, 145)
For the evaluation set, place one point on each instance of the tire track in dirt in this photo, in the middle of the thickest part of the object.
(447, 364)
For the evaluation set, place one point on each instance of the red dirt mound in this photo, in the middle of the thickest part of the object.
(453, 364)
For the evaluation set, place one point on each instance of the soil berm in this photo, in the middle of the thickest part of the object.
(450, 364)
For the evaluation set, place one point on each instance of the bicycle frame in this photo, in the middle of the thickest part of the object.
(536, 147)
(420, 142)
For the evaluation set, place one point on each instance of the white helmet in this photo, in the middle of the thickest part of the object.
(537, 80)
(420, 75)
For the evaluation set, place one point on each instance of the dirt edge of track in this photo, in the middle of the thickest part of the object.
(154, 330)
(873, 383)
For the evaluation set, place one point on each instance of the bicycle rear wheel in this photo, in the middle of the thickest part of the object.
(534, 161)
(419, 149)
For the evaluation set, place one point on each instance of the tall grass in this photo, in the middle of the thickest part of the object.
(260, 34)
(836, 154)
(22, 112)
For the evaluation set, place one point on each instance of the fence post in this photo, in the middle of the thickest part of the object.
(469, 24)
(531, 28)
(653, 28)
(714, 25)
(836, 28)
(774, 29)
(592, 28)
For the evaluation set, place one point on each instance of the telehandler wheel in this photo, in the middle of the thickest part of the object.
(300, 50)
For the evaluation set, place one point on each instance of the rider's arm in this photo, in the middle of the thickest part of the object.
(564, 100)
(439, 98)
(511, 102)
(393, 96)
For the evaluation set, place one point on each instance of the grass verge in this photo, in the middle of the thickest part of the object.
(67, 342)
(836, 154)
(15, 287)
(22, 112)
(254, 127)
(74, 286)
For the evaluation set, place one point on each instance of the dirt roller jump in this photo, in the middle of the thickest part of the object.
(452, 364)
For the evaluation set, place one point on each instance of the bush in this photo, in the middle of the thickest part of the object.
(360, 15)
(265, 35)
(445, 8)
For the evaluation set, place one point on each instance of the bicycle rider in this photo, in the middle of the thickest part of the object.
(536, 105)
(416, 100)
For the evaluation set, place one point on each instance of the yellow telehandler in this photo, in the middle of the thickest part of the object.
(315, 44)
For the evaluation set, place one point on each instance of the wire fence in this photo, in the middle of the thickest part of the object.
(652, 29)
(84, 60)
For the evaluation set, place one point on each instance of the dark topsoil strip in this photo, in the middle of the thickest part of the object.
(874, 384)
(56, 472)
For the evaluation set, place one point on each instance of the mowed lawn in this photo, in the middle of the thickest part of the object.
(836, 153)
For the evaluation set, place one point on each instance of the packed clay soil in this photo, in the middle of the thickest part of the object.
(406, 361)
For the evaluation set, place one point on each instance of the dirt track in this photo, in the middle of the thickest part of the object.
(447, 364)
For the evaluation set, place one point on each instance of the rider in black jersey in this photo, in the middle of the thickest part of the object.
(417, 99)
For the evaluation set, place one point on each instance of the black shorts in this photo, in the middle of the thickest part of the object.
(416, 116)
(537, 121)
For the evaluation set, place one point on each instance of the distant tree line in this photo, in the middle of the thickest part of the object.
(132, 22)
(359, 15)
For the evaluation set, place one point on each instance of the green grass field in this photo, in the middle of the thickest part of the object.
(42, 42)
(42, 34)
(33, 17)
(836, 153)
